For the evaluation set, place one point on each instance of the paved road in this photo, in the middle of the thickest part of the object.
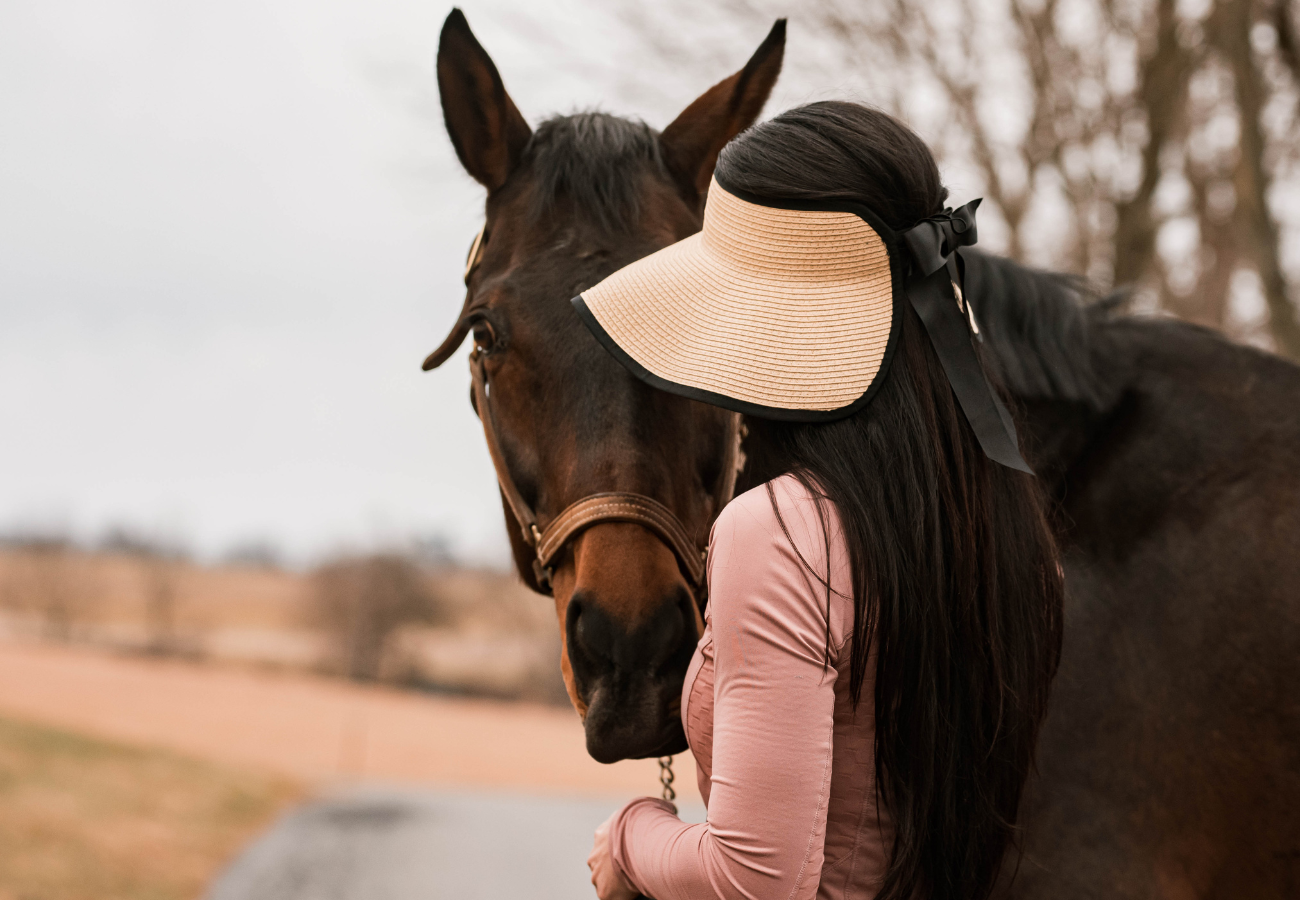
(401, 844)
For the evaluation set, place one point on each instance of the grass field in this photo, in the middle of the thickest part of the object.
(83, 818)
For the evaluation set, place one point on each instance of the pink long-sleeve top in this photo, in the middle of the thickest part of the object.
(785, 763)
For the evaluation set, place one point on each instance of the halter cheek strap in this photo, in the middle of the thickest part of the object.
(609, 506)
(934, 290)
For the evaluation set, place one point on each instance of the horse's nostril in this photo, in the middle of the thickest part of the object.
(577, 626)
(593, 635)
(671, 630)
(663, 638)
(600, 641)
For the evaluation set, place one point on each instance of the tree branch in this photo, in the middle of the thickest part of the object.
(1252, 178)
(1161, 92)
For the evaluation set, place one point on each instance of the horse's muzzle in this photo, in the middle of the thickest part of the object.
(631, 677)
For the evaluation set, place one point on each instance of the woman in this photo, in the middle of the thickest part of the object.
(884, 618)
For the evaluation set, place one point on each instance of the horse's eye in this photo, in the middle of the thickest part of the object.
(484, 337)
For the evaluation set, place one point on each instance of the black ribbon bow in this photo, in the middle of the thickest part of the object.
(934, 287)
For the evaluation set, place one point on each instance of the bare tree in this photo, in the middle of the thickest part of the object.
(360, 603)
(159, 561)
(47, 582)
(161, 599)
(55, 590)
(1137, 142)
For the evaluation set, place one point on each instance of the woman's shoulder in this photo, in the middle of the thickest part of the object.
(768, 558)
(784, 512)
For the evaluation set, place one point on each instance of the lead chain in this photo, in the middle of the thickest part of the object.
(666, 777)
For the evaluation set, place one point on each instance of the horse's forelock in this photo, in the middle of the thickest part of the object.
(591, 159)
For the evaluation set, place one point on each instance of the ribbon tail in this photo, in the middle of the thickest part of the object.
(934, 302)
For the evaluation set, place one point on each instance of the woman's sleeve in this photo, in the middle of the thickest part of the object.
(774, 701)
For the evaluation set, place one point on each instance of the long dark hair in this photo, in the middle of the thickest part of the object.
(956, 587)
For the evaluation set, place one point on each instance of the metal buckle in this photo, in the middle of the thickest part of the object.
(543, 574)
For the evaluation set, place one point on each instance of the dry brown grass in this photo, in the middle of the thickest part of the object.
(84, 819)
(490, 636)
(114, 592)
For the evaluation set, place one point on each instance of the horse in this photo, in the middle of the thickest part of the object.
(567, 205)
(1169, 764)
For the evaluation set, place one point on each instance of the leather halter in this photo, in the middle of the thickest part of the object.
(611, 506)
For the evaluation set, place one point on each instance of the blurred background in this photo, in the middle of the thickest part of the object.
(251, 557)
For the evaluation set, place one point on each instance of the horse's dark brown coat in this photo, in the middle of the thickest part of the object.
(1170, 762)
(1169, 765)
(567, 205)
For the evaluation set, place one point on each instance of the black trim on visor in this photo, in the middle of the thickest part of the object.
(779, 413)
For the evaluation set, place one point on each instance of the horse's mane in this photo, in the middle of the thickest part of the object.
(592, 159)
(1042, 328)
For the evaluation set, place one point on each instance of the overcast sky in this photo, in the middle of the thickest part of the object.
(229, 234)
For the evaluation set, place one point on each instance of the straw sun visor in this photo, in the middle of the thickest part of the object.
(784, 312)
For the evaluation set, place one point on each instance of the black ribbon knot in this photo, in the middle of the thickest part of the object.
(934, 241)
(935, 289)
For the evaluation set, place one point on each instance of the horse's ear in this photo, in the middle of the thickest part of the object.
(485, 127)
(449, 346)
(692, 142)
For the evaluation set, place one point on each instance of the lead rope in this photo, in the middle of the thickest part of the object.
(666, 777)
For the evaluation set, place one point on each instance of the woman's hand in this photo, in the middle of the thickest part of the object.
(605, 875)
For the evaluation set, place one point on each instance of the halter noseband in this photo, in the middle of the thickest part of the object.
(611, 506)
